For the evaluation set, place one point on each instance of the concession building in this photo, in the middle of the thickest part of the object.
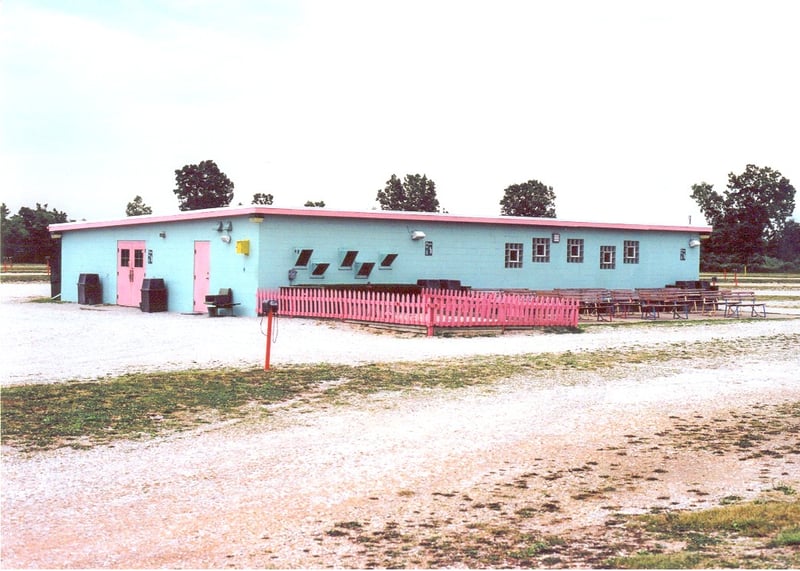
(197, 253)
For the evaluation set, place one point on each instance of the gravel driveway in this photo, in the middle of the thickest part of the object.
(268, 493)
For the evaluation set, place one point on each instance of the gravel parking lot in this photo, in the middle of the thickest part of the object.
(267, 493)
(47, 342)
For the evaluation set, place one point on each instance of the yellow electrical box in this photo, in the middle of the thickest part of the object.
(243, 247)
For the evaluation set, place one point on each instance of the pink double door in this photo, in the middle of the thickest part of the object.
(130, 272)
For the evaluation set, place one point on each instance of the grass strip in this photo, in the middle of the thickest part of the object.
(86, 413)
(709, 537)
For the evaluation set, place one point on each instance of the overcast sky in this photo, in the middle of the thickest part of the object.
(620, 106)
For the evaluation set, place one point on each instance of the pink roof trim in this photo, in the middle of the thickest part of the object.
(267, 211)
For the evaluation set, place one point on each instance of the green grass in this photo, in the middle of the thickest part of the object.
(721, 537)
(133, 405)
(747, 519)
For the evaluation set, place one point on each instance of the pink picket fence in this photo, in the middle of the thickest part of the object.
(429, 309)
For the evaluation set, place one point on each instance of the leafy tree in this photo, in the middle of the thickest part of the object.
(749, 217)
(202, 186)
(262, 199)
(788, 244)
(416, 193)
(25, 235)
(315, 203)
(530, 198)
(137, 207)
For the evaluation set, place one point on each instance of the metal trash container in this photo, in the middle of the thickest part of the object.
(90, 290)
(154, 295)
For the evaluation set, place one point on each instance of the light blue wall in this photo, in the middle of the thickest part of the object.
(472, 253)
(170, 258)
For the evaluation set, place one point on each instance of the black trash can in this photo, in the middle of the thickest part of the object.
(154, 295)
(90, 290)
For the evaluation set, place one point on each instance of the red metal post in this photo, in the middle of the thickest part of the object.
(269, 340)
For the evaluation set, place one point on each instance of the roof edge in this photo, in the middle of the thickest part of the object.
(314, 212)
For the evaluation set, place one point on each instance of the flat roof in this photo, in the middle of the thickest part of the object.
(312, 212)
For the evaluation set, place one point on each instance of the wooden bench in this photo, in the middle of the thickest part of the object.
(712, 301)
(593, 302)
(652, 301)
(734, 301)
(626, 302)
(222, 301)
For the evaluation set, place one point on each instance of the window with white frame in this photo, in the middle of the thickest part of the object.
(318, 270)
(347, 259)
(513, 255)
(575, 250)
(541, 250)
(631, 252)
(608, 256)
(303, 257)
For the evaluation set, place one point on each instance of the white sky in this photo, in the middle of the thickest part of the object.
(620, 106)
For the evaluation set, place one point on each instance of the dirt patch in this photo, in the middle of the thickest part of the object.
(529, 471)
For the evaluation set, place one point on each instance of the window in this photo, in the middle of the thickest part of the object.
(513, 255)
(541, 249)
(303, 257)
(364, 269)
(683, 254)
(429, 248)
(631, 252)
(138, 258)
(608, 256)
(347, 258)
(387, 260)
(575, 250)
(124, 258)
(319, 270)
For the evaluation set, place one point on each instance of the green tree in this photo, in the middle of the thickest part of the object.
(202, 186)
(530, 198)
(315, 203)
(788, 244)
(749, 217)
(416, 193)
(262, 199)
(25, 235)
(137, 207)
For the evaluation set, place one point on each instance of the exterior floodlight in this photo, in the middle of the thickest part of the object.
(417, 235)
(225, 238)
(694, 243)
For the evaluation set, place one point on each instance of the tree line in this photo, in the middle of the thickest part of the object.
(751, 219)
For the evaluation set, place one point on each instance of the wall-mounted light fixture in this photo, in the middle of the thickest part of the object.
(417, 235)
(162, 234)
(694, 243)
(227, 226)
(218, 227)
(225, 238)
(257, 218)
